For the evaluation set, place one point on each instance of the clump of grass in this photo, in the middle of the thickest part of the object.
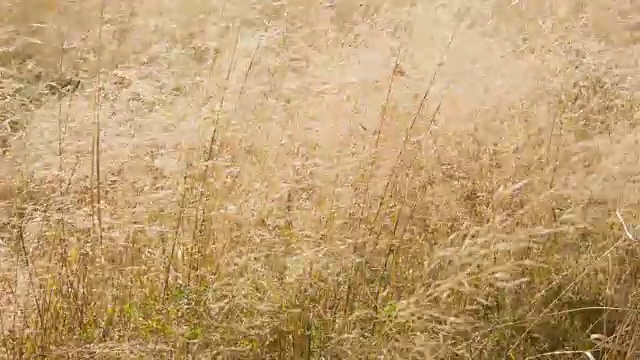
(230, 181)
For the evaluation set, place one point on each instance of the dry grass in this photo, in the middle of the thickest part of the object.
(303, 180)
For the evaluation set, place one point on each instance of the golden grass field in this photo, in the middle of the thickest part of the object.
(319, 179)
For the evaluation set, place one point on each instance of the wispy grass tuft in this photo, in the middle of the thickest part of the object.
(328, 180)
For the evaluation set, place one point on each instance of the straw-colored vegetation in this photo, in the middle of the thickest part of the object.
(319, 180)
